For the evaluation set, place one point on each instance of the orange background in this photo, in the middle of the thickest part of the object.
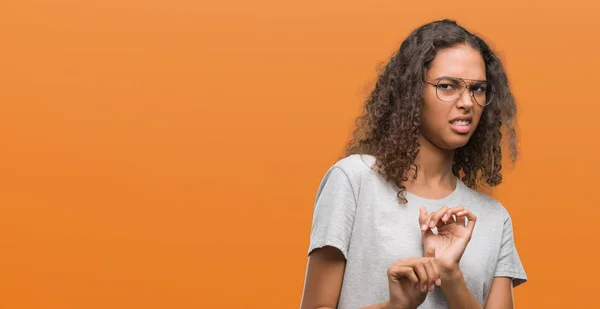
(166, 154)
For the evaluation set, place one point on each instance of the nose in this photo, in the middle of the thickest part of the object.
(466, 100)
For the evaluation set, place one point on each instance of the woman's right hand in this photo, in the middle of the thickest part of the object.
(410, 280)
(454, 233)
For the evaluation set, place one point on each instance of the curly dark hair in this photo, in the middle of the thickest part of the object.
(389, 127)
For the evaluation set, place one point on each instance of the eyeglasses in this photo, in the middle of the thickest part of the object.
(449, 89)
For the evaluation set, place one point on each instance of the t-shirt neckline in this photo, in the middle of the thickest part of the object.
(441, 201)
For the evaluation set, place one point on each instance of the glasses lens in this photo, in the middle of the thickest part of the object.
(490, 93)
(449, 89)
(481, 92)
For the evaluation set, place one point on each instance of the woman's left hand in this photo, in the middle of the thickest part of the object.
(454, 233)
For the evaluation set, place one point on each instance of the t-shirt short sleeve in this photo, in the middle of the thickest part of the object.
(334, 209)
(509, 262)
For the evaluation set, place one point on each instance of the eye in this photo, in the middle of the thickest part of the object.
(478, 88)
(446, 86)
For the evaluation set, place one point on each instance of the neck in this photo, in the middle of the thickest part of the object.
(435, 166)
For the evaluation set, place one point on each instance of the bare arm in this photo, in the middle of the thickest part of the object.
(459, 296)
(324, 276)
(501, 294)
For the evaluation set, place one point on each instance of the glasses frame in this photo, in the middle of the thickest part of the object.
(467, 85)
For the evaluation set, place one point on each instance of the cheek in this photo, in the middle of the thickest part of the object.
(434, 112)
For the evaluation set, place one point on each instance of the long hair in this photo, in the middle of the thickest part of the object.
(389, 126)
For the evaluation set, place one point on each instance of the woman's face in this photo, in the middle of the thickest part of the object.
(449, 123)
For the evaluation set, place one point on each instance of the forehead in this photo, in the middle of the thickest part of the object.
(458, 61)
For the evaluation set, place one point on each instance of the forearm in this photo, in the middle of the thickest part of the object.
(385, 305)
(457, 293)
(377, 306)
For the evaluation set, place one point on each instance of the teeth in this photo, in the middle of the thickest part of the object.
(461, 122)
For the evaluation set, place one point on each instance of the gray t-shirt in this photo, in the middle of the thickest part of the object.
(358, 212)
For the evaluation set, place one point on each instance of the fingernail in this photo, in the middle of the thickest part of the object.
(438, 281)
(431, 288)
(431, 224)
(424, 288)
(424, 227)
(445, 218)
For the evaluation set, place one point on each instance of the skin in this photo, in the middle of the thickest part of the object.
(411, 279)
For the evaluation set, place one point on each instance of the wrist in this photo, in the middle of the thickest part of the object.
(389, 305)
(452, 281)
(457, 293)
(450, 272)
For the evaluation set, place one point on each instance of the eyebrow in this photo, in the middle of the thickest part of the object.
(472, 80)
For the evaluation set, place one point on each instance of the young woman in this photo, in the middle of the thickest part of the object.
(396, 222)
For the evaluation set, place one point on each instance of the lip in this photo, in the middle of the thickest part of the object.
(468, 118)
(461, 129)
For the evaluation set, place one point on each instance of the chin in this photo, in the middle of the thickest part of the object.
(456, 142)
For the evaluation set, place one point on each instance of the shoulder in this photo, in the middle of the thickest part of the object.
(356, 165)
(351, 172)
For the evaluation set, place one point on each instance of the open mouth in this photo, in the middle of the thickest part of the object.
(461, 122)
(461, 126)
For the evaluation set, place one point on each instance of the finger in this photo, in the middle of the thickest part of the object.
(448, 217)
(429, 252)
(398, 272)
(430, 274)
(423, 218)
(428, 221)
(419, 269)
(436, 272)
(450, 212)
(461, 219)
(471, 221)
(470, 217)
(436, 216)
